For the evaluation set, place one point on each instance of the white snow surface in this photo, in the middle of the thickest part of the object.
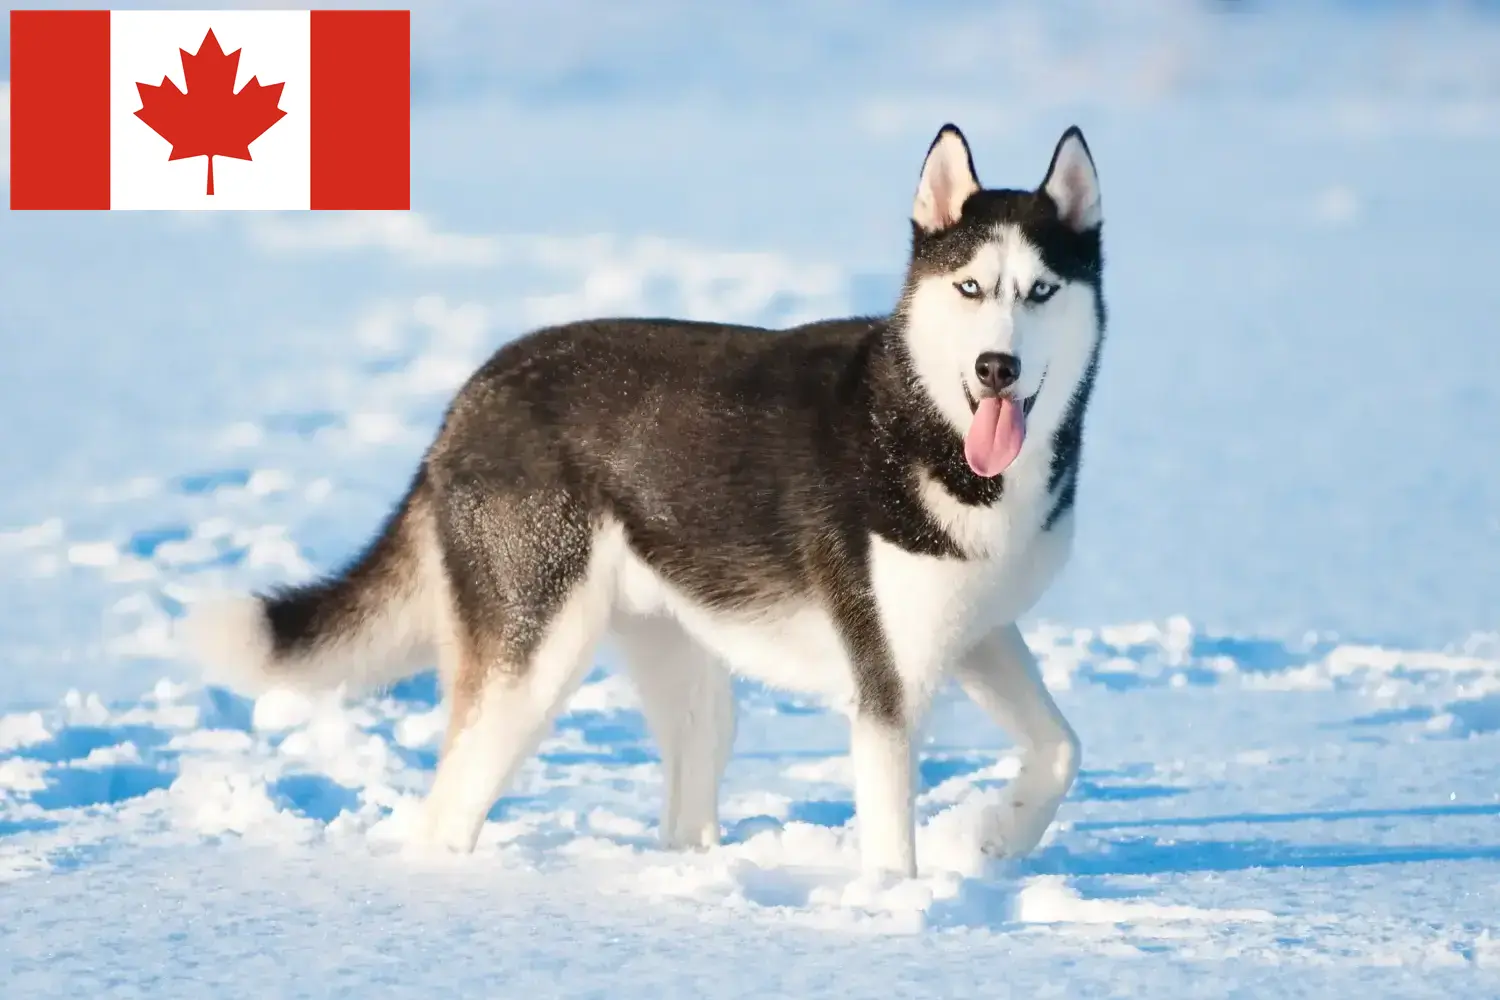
(1279, 639)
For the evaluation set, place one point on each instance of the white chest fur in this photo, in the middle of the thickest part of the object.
(933, 609)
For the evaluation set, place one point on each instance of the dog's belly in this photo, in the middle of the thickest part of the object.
(793, 646)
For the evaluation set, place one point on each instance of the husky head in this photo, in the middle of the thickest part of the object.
(1001, 313)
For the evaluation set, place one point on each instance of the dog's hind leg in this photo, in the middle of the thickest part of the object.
(501, 712)
(525, 623)
(1002, 677)
(688, 700)
(489, 737)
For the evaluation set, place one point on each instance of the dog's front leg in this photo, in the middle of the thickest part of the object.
(880, 724)
(881, 750)
(1001, 675)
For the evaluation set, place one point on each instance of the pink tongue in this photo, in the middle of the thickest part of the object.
(995, 437)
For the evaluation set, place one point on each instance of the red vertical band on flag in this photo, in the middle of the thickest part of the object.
(361, 109)
(59, 109)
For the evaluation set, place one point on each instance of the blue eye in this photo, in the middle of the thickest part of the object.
(1041, 291)
(969, 288)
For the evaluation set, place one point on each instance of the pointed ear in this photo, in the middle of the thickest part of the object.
(947, 181)
(1073, 183)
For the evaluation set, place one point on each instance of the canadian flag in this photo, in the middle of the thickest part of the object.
(216, 109)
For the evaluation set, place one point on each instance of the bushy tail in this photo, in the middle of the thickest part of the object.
(369, 625)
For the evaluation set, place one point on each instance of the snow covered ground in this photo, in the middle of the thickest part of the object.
(1279, 638)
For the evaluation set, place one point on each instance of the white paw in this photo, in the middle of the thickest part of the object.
(438, 832)
(888, 861)
(1015, 826)
(690, 837)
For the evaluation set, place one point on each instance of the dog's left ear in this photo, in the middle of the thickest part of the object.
(1073, 184)
(947, 181)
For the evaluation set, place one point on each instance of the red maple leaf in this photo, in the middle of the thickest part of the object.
(210, 119)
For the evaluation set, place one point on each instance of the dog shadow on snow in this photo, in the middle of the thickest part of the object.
(1132, 847)
(1091, 854)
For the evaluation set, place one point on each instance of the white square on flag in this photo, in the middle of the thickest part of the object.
(273, 47)
(264, 109)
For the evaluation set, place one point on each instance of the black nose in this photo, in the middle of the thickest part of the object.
(997, 371)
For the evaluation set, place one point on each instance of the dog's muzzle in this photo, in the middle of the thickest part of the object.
(1026, 404)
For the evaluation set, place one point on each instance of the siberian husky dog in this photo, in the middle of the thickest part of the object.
(857, 509)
